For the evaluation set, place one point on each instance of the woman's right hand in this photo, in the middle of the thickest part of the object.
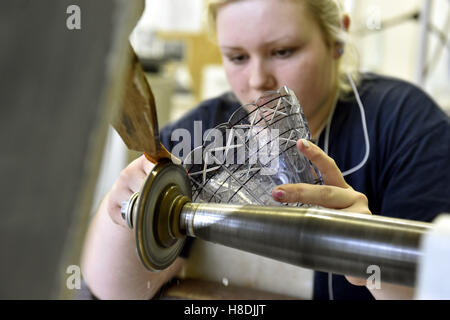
(110, 263)
(130, 181)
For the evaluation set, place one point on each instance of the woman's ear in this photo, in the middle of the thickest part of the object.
(339, 47)
(339, 50)
(346, 21)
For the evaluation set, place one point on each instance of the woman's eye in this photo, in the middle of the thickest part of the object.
(238, 59)
(282, 53)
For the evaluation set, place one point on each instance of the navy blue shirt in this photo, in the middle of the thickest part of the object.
(407, 173)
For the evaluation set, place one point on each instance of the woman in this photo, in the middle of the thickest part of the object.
(383, 137)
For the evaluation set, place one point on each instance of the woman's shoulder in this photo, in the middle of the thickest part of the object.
(385, 86)
(390, 96)
(396, 108)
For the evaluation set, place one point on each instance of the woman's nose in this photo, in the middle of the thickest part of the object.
(261, 77)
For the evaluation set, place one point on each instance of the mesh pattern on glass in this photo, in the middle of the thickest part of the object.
(241, 161)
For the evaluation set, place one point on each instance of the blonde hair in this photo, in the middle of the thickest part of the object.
(329, 16)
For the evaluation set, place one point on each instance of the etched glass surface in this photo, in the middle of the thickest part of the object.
(241, 161)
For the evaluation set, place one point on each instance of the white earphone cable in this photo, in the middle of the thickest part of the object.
(366, 140)
(365, 131)
(364, 125)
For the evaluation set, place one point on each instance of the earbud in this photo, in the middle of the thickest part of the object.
(339, 51)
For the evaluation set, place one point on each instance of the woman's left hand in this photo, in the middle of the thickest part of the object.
(334, 194)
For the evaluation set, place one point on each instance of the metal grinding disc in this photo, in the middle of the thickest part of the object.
(152, 207)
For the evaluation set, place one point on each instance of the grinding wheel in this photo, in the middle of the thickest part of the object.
(156, 215)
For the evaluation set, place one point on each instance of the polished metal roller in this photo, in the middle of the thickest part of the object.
(319, 239)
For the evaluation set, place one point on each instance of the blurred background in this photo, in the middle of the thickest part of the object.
(407, 39)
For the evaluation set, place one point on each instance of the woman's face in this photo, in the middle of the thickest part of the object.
(267, 44)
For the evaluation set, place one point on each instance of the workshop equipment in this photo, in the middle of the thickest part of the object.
(321, 239)
(162, 215)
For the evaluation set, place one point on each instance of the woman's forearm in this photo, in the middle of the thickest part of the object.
(110, 265)
(389, 291)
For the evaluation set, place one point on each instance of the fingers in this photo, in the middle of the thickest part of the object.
(130, 181)
(331, 174)
(326, 196)
(134, 174)
(145, 165)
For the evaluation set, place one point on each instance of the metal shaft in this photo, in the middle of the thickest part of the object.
(319, 239)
